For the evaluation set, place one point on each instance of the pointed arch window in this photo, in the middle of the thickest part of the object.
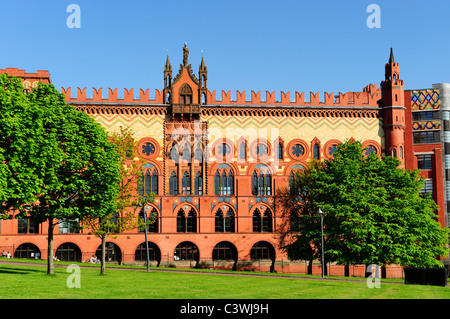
(257, 225)
(198, 184)
(186, 184)
(261, 181)
(224, 223)
(191, 222)
(316, 151)
(148, 181)
(173, 184)
(181, 222)
(279, 149)
(224, 180)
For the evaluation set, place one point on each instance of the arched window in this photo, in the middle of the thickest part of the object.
(68, 252)
(185, 94)
(153, 221)
(186, 251)
(173, 184)
(316, 151)
(267, 222)
(224, 180)
(297, 168)
(148, 182)
(229, 222)
(262, 250)
(198, 184)
(262, 181)
(191, 222)
(257, 221)
(279, 149)
(154, 253)
(186, 153)
(242, 150)
(225, 251)
(181, 222)
(224, 224)
(186, 184)
(198, 153)
(218, 221)
(113, 254)
(27, 250)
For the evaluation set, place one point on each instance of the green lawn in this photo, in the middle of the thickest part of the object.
(24, 281)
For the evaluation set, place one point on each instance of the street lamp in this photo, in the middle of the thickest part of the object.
(321, 229)
(146, 238)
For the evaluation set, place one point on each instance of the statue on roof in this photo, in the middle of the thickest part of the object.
(185, 54)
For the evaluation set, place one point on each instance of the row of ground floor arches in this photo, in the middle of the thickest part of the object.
(185, 250)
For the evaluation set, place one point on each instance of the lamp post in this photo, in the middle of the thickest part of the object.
(146, 239)
(321, 229)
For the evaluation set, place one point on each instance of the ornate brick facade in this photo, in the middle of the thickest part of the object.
(215, 164)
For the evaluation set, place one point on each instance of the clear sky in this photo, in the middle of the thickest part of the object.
(248, 45)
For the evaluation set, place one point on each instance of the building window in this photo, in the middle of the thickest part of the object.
(257, 221)
(154, 253)
(68, 252)
(191, 222)
(424, 161)
(261, 181)
(426, 137)
(173, 184)
(148, 182)
(316, 151)
(226, 224)
(262, 250)
(198, 184)
(152, 221)
(279, 149)
(427, 189)
(242, 150)
(332, 149)
(186, 184)
(27, 226)
(181, 222)
(224, 251)
(425, 116)
(224, 180)
(68, 226)
(370, 149)
(186, 251)
(262, 223)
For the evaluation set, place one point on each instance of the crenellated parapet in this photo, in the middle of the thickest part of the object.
(369, 97)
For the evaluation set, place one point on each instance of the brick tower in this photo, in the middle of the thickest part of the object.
(393, 104)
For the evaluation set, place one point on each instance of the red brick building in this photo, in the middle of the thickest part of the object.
(215, 161)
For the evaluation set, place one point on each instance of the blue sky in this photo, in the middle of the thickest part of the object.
(247, 45)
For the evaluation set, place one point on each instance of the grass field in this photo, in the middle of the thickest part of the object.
(32, 282)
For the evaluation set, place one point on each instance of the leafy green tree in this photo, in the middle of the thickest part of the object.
(374, 212)
(19, 154)
(123, 218)
(73, 166)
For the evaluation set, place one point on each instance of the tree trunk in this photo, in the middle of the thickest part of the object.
(103, 266)
(50, 266)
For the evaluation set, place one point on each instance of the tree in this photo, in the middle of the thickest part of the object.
(374, 212)
(123, 218)
(74, 165)
(19, 154)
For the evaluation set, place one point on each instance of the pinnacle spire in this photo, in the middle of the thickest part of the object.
(202, 65)
(391, 57)
(168, 66)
